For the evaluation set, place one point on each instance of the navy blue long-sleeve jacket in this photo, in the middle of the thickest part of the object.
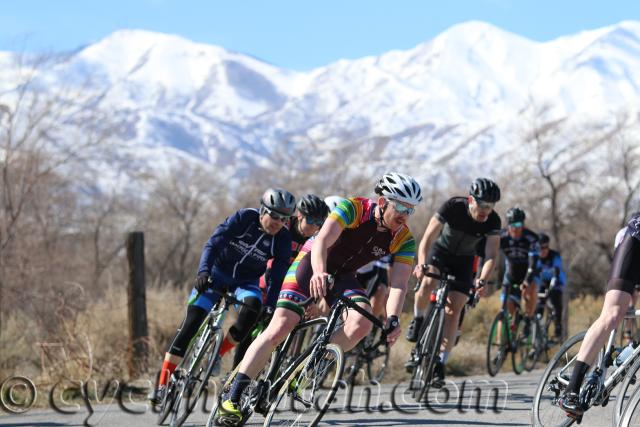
(240, 248)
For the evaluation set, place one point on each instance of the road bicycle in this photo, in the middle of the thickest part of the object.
(293, 394)
(189, 381)
(427, 348)
(508, 334)
(597, 387)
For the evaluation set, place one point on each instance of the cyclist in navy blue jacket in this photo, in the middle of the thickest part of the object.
(233, 259)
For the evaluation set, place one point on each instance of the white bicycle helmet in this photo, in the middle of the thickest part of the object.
(401, 187)
(333, 201)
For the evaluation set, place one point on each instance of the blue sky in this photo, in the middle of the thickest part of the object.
(296, 34)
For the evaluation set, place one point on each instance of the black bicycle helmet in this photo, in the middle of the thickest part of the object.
(313, 206)
(485, 190)
(279, 200)
(543, 238)
(515, 214)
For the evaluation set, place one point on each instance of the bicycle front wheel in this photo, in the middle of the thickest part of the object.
(627, 389)
(211, 357)
(431, 348)
(631, 415)
(498, 344)
(301, 399)
(200, 359)
(554, 381)
(523, 345)
(534, 345)
(168, 402)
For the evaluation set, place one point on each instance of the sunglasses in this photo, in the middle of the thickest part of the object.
(516, 225)
(544, 247)
(314, 221)
(277, 215)
(484, 205)
(402, 209)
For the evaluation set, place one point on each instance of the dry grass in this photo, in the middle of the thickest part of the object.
(94, 343)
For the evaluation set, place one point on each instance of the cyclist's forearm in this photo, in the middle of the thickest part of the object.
(487, 269)
(396, 300)
(430, 235)
(398, 288)
(319, 259)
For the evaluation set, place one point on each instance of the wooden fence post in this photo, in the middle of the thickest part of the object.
(138, 331)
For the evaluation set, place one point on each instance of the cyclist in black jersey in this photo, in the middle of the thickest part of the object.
(520, 248)
(449, 242)
(625, 273)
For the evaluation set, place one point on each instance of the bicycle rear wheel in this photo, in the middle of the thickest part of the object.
(555, 379)
(377, 360)
(498, 344)
(300, 400)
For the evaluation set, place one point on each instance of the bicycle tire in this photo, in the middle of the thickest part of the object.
(216, 343)
(540, 343)
(550, 384)
(495, 360)
(186, 398)
(167, 403)
(625, 392)
(631, 414)
(305, 373)
(529, 346)
(433, 339)
(377, 362)
(518, 350)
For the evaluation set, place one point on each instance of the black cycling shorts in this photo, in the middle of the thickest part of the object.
(625, 269)
(459, 266)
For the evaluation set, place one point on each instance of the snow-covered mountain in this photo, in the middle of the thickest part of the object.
(447, 99)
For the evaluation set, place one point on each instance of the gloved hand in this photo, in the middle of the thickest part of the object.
(553, 283)
(392, 329)
(202, 283)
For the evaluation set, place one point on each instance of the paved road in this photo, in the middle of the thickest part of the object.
(391, 405)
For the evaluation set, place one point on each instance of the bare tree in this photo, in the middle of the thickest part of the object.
(184, 202)
(46, 132)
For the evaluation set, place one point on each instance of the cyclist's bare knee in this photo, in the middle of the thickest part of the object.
(357, 326)
(281, 324)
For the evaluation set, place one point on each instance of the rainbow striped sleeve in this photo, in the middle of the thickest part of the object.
(403, 247)
(349, 212)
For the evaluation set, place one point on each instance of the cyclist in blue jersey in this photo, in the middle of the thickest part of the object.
(625, 273)
(550, 275)
(233, 259)
(311, 212)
